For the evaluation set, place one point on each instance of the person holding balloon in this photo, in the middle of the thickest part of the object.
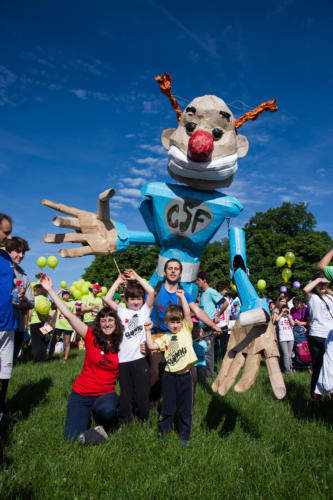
(93, 392)
(91, 304)
(40, 316)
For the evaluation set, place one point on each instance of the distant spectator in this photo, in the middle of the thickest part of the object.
(16, 248)
(300, 315)
(7, 317)
(91, 304)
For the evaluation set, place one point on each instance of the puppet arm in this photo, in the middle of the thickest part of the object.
(98, 234)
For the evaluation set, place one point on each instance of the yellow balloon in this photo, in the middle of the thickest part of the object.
(233, 287)
(100, 294)
(63, 284)
(280, 261)
(41, 262)
(76, 293)
(84, 289)
(261, 284)
(52, 261)
(290, 258)
(104, 290)
(42, 305)
(286, 274)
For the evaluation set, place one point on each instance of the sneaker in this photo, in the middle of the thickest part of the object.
(93, 436)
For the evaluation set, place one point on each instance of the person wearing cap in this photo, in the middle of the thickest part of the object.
(91, 304)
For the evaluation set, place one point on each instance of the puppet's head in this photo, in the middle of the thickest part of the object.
(203, 150)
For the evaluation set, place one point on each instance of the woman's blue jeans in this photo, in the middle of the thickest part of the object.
(81, 408)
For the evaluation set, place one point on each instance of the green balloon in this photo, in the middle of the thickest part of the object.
(286, 274)
(104, 290)
(63, 284)
(84, 289)
(77, 293)
(290, 258)
(280, 261)
(42, 305)
(41, 262)
(52, 261)
(261, 284)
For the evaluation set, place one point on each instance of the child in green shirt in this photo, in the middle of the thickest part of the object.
(177, 378)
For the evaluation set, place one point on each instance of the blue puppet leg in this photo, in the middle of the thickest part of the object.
(246, 292)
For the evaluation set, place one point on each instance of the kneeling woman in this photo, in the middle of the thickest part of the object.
(93, 391)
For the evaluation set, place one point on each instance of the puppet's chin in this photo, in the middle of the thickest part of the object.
(201, 175)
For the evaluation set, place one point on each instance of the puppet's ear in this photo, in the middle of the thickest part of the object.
(242, 146)
(165, 137)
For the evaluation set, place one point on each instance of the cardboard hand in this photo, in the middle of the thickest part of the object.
(247, 346)
(96, 232)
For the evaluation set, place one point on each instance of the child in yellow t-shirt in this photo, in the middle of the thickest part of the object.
(179, 356)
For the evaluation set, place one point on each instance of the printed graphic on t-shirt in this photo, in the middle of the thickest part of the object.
(174, 352)
(133, 327)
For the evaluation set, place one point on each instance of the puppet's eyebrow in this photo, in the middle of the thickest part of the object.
(226, 115)
(191, 109)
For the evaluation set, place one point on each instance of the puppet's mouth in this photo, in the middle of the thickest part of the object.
(216, 170)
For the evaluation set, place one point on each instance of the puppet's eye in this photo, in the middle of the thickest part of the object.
(217, 133)
(190, 127)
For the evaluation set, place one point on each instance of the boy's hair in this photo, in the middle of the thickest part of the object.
(284, 307)
(17, 244)
(222, 285)
(297, 300)
(173, 313)
(39, 290)
(203, 275)
(133, 290)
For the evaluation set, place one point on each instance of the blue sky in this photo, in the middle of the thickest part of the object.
(80, 110)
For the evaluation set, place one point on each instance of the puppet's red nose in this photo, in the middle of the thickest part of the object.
(200, 146)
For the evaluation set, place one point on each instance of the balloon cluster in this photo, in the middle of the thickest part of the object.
(81, 287)
(51, 261)
(288, 259)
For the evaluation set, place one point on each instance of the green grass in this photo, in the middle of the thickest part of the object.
(243, 446)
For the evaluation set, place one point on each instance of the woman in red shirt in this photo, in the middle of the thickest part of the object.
(93, 391)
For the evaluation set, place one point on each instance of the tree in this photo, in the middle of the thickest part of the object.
(290, 219)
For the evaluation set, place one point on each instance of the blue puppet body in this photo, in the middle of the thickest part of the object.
(182, 221)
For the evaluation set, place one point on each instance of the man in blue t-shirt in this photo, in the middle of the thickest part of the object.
(7, 316)
(165, 294)
(210, 299)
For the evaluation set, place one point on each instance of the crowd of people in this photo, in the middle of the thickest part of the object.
(158, 342)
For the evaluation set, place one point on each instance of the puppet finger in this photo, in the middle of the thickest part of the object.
(76, 252)
(103, 204)
(65, 237)
(249, 374)
(66, 222)
(60, 207)
(228, 381)
(276, 377)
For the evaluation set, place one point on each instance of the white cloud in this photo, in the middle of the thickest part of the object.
(146, 172)
(119, 201)
(154, 149)
(134, 181)
(129, 192)
(151, 107)
(130, 136)
(149, 160)
(84, 94)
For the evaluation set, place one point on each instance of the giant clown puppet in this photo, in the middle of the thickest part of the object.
(182, 218)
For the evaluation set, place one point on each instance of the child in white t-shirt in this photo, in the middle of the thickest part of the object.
(286, 337)
(134, 373)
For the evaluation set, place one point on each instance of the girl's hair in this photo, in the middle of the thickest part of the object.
(173, 313)
(133, 291)
(319, 274)
(39, 290)
(116, 337)
(17, 244)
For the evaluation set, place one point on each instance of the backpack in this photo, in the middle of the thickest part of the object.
(303, 351)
